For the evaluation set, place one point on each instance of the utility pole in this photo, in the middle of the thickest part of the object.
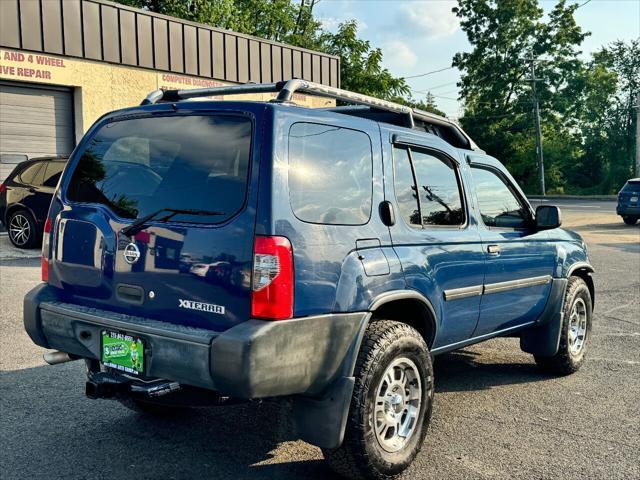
(536, 108)
(638, 135)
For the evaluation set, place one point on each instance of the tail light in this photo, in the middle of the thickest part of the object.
(3, 188)
(272, 280)
(45, 251)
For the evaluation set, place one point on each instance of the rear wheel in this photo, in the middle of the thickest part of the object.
(576, 328)
(391, 405)
(629, 220)
(22, 229)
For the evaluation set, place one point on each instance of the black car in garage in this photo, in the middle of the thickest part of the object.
(25, 196)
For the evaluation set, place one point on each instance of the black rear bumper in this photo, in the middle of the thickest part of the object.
(254, 359)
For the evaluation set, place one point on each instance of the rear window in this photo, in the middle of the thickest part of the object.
(633, 187)
(330, 174)
(138, 166)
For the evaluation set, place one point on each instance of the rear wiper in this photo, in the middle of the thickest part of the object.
(141, 223)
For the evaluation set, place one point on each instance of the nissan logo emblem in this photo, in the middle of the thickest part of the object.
(131, 253)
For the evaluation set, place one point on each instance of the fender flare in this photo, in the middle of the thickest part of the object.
(17, 206)
(588, 269)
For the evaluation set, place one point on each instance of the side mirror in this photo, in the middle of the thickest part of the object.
(548, 217)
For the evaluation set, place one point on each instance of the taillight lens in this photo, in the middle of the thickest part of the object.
(272, 280)
(3, 188)
(45, 251)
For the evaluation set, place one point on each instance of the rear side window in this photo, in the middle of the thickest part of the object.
(52, 174)
(138, 166)
(430, 187)
(405, 188)
(330, 174)
(29, 175)
(499, 206)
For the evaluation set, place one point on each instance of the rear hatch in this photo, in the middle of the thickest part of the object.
(630, 193)
(193, 176)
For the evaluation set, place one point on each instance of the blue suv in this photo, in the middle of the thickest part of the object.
(201, 251)
(629, 201)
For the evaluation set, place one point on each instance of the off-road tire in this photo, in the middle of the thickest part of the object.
(629, 220)
(361, 455)
(565, 361)
(22, 217)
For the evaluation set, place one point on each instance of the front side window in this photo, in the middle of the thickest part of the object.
(330, 174)
(499, 206)
(188, 162)
(438, 188)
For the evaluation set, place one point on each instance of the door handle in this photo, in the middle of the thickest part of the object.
(493, 250)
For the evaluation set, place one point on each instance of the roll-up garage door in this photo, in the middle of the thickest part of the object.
(35, 121)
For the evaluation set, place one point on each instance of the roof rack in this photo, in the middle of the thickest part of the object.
(286, 89)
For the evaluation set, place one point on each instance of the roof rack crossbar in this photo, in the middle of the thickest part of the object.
(286, 90)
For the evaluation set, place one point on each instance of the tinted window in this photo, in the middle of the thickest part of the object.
(440, 198)
(499, 207)
(405, 188)
(52, 174)
(29, 175)
(330, 174)
(632, 187)
(141, 165)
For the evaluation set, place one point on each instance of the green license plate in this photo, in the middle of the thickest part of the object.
(122, 352)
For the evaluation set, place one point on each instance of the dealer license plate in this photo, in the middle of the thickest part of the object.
(634, 199)
(122, 352)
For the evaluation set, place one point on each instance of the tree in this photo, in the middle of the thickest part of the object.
(586, 107)
(506, 35)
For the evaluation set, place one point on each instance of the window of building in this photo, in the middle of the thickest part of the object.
(330, 174)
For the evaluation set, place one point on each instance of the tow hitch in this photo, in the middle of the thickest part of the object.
(109, 385)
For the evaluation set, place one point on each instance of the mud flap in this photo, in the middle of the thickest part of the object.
(543, 339)
(322, 421)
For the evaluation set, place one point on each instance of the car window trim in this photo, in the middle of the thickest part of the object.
(440, 155)
(524, 205)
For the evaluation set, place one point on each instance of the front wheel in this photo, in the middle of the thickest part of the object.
(629, 220)
(576, 328)
(391, 405)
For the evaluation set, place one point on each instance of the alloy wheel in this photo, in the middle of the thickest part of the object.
(19, 229)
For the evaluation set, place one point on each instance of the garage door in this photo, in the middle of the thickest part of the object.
(34, 121)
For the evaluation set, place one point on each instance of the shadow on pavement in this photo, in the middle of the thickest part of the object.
(459, 372)
(51, 430)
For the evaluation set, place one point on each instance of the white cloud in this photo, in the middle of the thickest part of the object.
(398, 56)
(431, 18)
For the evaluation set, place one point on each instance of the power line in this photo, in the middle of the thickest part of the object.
(428, 73)
(582, 4)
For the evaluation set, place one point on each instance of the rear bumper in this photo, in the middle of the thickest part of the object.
(623, 209)
(254, 359)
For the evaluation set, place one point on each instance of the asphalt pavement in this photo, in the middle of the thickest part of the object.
(495, 415)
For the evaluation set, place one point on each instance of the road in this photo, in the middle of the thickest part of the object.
(495, 415)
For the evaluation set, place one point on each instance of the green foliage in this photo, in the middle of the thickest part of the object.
(586, 107)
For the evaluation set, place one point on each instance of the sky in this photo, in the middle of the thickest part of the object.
(419, 36)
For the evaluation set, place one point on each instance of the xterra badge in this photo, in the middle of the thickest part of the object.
(201, 306)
